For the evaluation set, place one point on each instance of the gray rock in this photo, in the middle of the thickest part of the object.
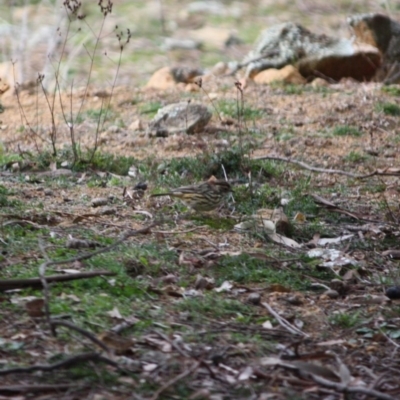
(312, 54)
(254, 298)
(185, 44)
(179, 117)
(384, 33)
(99, 202)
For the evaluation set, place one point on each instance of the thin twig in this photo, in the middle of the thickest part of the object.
(340, 387)
(104, 249)
(68, 362)
(173, 381)
(83, 332)
(10, 284)
(323, 170)
(37, 388)
(186, 355)
(283, 322)
(46, 293)
(179, 232)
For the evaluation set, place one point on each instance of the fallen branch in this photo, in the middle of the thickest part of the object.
(37, 282)
(68, 362)
(173, 381)
(323, 170)
(340, 387)
(36, 388)
(9, 284)
(83, 332)
(45, 285)
(184, 354)
(283, 322)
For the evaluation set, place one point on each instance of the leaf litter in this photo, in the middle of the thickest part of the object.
(178, 320)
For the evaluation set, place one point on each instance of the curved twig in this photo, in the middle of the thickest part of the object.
(323, 170)
(68, 362)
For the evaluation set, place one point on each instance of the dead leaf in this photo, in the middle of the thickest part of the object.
(115, 342)
(114, 313)
(277, 238)
(34, 308)
(245, 374)
(300, 218)
(225, 287)
(267, 324)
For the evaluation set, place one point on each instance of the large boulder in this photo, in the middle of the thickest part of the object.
(383, 33)
(314, 55)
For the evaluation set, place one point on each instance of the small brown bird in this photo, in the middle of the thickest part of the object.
(203, 197)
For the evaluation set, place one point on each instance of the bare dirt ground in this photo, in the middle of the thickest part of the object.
(178, 320)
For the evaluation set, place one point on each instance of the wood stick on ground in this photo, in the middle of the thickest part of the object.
(9, 284)
(82, 331)
(6, 285)
(12, 389)
(46, 292)
(282, 321)
(173, 381)
(68, 362)
(323, 170)
(340, 387)
(186, 355)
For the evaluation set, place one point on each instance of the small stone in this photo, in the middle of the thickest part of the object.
(99, 201)
(203, 283)
(393, 292)
(295, 300)
(136, 125)
(106, 211)
(179, 117)
(140, 186)
(48, 192)
(332, 294)
(338, 286)
(162, 79)
(254, 298)
(113, 129)
(319, 82)
(169, 279)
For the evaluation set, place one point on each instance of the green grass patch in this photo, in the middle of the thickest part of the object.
(388, 109)
(355, 157)
(393, 90)
(215, 306)
(244, 269)
(149, 109)
(233, 109)
(289, 89)
(346, 130)
(346, 320)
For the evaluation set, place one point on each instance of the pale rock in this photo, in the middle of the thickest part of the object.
(213, 37)
(167, 78)
(254, 298)
(161, 79)
(287, 74)
(319, 82)
(220, 68)
(136, 125)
